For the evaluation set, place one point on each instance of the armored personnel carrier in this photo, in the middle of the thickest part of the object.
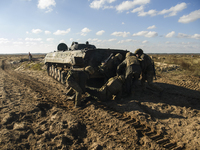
(77, 57)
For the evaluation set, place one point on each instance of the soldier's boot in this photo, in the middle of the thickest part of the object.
(70, 92)
(72, 98)
(78, 99)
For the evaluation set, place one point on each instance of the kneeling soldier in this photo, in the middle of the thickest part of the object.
(77, 81)
(148, 70)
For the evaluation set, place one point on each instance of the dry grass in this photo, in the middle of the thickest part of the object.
(190, 64)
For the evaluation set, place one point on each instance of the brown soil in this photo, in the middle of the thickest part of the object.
(35, 114)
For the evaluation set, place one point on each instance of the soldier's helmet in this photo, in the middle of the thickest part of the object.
(89, 69)
(139, 51)
(118, 55)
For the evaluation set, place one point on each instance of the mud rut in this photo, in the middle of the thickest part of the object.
(102, 118)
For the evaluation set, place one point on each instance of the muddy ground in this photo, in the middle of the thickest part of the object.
(35, 113)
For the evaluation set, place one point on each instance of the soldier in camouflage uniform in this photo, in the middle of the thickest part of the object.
(77, 81)
(110, 67)
(132, 69)
(148, 70)
(112, 88)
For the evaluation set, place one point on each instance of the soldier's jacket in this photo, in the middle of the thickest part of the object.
(146, 63)
(112, 87)
(78, 76)
(130, 65)
(114, 84)
(110, 67)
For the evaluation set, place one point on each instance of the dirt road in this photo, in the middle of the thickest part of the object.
(35, 114)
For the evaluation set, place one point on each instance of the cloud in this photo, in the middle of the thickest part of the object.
(94, 40)
(97, 4)
(182, 35)
(167, 42)
(46, 4)
(191, 17)
(173, 10)
(167, 12)
(141, 33)
(18, 43)
(138, 9)
(123, 34)
(151, 27)
(3, 41)
(33, 39)
(62, 32)
(146, 34)
(151, 34)
(47, 32)
(144, 41)
(36, 31)
(196, 36)
(127, 5)
(170, 34)
(84, 31)
(111, 40)
(62, 41)
(150, 12)
(125, 41)
(30, 43)
(49, 39)
(100, 32)
(123, 23)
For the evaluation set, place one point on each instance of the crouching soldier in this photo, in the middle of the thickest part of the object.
(148, 70)
(113, 87)
(77, 81)
(109, 67)
(132, 69)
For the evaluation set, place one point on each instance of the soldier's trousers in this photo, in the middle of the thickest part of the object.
(74, 85)
(149, 77)
(105, 94)
(130, 80)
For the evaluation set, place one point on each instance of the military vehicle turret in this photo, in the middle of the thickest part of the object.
(77, 57)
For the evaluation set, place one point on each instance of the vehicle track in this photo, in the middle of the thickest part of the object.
(188, 92)
(133, 132)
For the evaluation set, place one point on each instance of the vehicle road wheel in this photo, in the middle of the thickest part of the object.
(52, 71)
(58, 75)
(55, 73)
(62, 80)
(49, 71)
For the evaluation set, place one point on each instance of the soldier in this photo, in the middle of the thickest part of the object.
(113, 87)
(74, 46)
(29, 56)
(109, 68)
(132, 69)
(77, 81)
(148, 70)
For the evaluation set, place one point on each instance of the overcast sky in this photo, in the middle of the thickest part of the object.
(156, 26)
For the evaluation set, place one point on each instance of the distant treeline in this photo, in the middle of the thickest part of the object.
(25, 54)
(147, 53)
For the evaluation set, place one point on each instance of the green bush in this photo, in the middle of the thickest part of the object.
(37, 66)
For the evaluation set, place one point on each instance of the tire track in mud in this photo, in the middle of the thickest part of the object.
(189, 92)
(97, 122)
(143, 129)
